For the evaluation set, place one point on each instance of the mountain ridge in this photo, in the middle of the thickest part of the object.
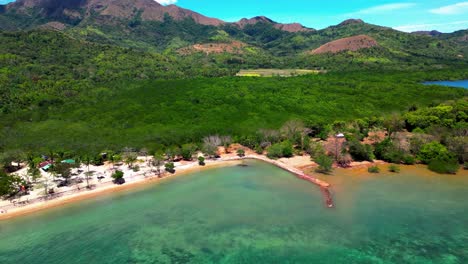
(354, 43)
(147, 26)
(289, 27)
(150, 10)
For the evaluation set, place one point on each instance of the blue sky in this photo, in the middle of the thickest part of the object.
(405, 15)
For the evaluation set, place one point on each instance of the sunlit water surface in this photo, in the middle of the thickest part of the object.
(255, 214)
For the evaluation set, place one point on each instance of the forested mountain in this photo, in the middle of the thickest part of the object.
(89, 75)
(148, 26)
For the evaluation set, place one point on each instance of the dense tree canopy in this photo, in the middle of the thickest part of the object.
(144, 113)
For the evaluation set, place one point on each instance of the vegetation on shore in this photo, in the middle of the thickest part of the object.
(91, 98)
(440, 143)
(160, 114)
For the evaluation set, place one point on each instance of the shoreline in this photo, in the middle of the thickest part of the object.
(226, 160)
(76, 197)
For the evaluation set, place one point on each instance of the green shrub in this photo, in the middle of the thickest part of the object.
(325, 164)
(275, 151)
(394, 155)
(118, 177)
(315, 149)
(431, 151)
(387, 151)
(373, 169)
(240, 152)
(394, 168)
(201, 161)
(287, 149)
(169, 167)
(418, 130)
(280, 150)
(118, 174)
(409, 159)
(9, 184)
(444, 165)
(382, 148)
(188, 150)
(258, 149)
(360, 152)
(98, 160)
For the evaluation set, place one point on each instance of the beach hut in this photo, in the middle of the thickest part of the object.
(68, 161)
(45, 165)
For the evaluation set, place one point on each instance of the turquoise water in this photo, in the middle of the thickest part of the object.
(461, 83)
(254, 214)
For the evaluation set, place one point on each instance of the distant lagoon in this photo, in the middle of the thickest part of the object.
(460, 83)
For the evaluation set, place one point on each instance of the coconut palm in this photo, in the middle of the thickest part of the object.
(158, 161)
(86, 159)
(130, 158)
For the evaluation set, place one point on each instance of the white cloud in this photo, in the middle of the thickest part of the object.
(445, 27)
(384, 8)
(166, 2)
(455, 9)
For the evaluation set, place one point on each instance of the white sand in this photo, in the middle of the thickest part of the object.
(142, 177)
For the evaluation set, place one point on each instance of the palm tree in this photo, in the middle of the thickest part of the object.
(144, 151)
(117, 158)
(86, 159)
(52, 155)
(32, 170)
(60, 154)
(46, 186)
(130, 159)
(30, 160)
(112, 159)
(158, 161)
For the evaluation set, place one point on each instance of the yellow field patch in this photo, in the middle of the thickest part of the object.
(275, 72)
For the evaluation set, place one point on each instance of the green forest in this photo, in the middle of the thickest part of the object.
(89, 89)
(140, 113)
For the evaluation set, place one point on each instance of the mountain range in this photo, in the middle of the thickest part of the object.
(78, 11)
(148, 26)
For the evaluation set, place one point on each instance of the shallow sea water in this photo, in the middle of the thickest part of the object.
(255, 214)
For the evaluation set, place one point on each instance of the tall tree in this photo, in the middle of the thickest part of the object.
(9, 184)
(293, 130)
(394, 123)
(86, 159)
(325, 163)
(130, 158)
(210, 145)
(188, 150)
(157, 162)
(62, 169)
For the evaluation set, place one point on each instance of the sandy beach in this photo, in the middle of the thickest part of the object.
(296, 165)
(102, 190)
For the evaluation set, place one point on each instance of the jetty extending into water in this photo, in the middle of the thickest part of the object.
(324, 186)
